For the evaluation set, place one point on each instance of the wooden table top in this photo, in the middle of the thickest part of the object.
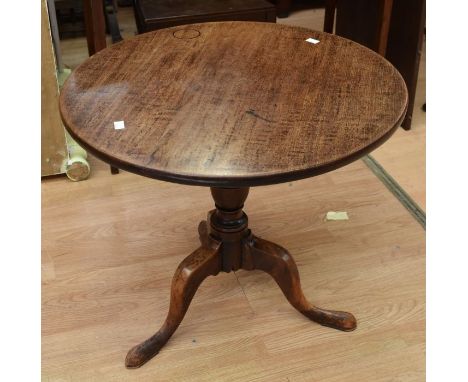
(233, 104)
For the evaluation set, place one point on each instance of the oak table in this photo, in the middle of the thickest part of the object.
(229, 106)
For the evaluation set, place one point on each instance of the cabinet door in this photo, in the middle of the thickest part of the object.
(53, 141)
(358, 20)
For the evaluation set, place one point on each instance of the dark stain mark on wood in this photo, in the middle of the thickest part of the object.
(254, 114)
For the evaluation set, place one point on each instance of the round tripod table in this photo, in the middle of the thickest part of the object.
(229, 106)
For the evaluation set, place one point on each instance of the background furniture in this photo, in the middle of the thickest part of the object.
(110, 12)
(60, 154)
(283, 7)
(69, 18)
(157, 14)
(260, 106)
(363, 21)
(95, 27)
(53, 143)
(384, 12)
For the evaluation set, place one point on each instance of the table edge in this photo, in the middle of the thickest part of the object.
(238, 181)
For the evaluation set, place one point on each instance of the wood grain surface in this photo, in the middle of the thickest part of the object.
(233, 104)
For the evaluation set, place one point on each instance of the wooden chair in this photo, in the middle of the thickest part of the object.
(95, 27)
(385, 13)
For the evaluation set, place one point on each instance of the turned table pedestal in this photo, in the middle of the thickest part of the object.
(230, 106)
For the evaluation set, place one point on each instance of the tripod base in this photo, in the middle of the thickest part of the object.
(228, 245)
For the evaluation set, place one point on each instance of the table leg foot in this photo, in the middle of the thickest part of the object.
(278, 262)
(203, 262)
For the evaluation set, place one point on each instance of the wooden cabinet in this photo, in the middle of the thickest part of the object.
(53, 140)
(358, 20)
(59, 152)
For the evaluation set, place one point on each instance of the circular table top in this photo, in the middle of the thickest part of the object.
(233, 104)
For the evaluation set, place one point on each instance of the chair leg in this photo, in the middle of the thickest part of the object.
(330, 6)
(282, 8)
(384, 26)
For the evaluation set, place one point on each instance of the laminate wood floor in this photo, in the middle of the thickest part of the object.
(112, 243)
(404, 154)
